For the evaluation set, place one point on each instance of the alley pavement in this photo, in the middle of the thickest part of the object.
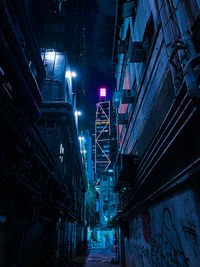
(95, 258)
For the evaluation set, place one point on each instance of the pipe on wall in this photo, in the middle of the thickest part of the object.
(168, 39)
(9, 32)
(31, 39)
(24, 97)
(181, 14)
(189, 75)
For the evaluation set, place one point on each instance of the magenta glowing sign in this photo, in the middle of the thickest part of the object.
(103, 92)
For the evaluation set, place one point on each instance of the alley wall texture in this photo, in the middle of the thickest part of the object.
(165, 234)
(156, 52)
(43, 184)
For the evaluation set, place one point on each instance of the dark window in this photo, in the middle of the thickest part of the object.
(149, 34)
(196, 34)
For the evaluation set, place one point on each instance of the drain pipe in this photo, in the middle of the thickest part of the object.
(24, 98)
(168, 39)
(192, 85)
(184, 27)
(189, 75)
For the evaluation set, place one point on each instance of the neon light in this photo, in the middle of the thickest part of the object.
(102, 92)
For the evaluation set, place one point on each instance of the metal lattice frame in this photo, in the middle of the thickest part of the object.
(99, 140)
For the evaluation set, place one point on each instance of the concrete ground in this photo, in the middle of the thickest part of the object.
(95, 258)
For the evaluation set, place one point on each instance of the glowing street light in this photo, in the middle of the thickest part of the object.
(73, 74)
(70, 74)
(50, 54)
(81, 138)
(78, 113)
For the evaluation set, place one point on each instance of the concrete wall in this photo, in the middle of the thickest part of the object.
(165, 231)
(165, 234)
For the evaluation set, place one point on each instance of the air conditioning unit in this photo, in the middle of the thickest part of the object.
(138, 52)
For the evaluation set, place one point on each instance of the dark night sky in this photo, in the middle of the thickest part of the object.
(100, 32)
(99, 41)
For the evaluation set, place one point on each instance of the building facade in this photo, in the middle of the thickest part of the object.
(42, 184)
(157, 98)
(104, 141)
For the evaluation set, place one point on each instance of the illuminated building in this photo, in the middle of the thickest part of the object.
(42, 185)
(104, 136)
(102, 140)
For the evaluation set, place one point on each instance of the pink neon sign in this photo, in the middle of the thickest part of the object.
(102, 92)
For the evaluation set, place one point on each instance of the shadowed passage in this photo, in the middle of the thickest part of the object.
(95, 258)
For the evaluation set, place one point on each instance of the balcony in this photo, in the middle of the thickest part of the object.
(125, 171)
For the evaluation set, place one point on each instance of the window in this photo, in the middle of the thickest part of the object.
(149, 34)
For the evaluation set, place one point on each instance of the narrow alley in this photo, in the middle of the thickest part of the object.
(95, 258)
(99, 133)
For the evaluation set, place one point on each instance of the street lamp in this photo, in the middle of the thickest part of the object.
(70, 74)
(73, 74)
(78, 113)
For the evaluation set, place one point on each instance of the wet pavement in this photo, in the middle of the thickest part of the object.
(95, 258)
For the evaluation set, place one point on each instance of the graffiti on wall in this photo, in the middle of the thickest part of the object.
(191, 235)
(163, 246)
(166, 249)
(146, 225)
